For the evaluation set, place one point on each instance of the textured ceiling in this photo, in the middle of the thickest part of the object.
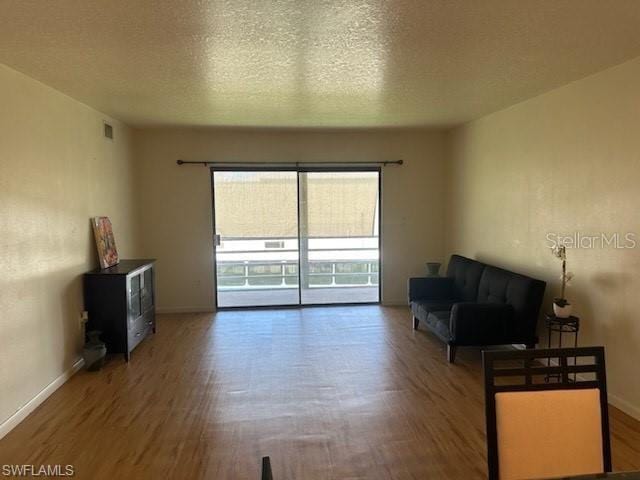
(312, 63)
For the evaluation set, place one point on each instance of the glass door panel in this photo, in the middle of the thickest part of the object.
(147, 290)
(136, 297)
(339, 236)
(256, 237)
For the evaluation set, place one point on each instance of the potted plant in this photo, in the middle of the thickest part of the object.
(561, 307)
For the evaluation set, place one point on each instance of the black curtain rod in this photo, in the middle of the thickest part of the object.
(294, 164)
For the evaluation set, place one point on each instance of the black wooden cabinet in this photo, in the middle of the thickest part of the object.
(121, 304)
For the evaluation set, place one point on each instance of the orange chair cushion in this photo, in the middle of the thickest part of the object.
(550, 433)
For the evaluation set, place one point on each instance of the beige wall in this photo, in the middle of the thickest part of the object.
(56, 171)
(567, 161)
(176, 201)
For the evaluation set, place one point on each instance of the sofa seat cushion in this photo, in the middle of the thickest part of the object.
(422, 308)
(440, 324)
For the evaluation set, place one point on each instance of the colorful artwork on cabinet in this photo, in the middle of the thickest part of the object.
(103, 232)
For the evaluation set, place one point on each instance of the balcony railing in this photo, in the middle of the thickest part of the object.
(276, 274)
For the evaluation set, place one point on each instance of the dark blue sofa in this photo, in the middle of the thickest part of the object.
(477, 304)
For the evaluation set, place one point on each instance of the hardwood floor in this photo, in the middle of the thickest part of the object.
(328, 393)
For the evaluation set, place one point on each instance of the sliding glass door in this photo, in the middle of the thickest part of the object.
(296, 237)
(339, 237)
(256, 238)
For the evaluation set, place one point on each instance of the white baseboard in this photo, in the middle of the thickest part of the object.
(24, 411)
(626, 407)
(207, 309)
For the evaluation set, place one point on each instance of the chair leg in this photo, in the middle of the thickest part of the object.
(451, 353)
(415, 323)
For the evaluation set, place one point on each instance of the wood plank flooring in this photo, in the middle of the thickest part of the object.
(328, 393)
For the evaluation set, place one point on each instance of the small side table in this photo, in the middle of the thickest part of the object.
(569, 325)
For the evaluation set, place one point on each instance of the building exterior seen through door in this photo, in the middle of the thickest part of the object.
(296, 237)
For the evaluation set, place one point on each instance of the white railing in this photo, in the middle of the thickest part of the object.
(249, 279)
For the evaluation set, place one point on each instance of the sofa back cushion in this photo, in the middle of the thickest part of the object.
(523, 293)
(466, 275)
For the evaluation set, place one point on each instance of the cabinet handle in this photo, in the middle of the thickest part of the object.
(149, 322)
(138, 334)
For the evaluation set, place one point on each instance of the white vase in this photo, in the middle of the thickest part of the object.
(562, 312)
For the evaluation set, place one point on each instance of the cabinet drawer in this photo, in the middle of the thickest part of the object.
(136, 336)
(148, 319)
(139, 329)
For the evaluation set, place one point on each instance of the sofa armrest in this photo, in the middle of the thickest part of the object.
(480, 323)
(430, 288)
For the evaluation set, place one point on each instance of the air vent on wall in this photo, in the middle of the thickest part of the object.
(108, 131)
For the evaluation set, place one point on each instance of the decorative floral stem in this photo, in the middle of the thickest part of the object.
(560, 252)
(564, 278)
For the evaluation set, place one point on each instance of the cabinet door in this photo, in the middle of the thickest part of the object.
(135, 296)
(147, 290)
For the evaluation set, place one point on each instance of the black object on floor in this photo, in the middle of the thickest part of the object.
(266, 469)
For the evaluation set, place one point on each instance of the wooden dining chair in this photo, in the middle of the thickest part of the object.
(546, 413)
